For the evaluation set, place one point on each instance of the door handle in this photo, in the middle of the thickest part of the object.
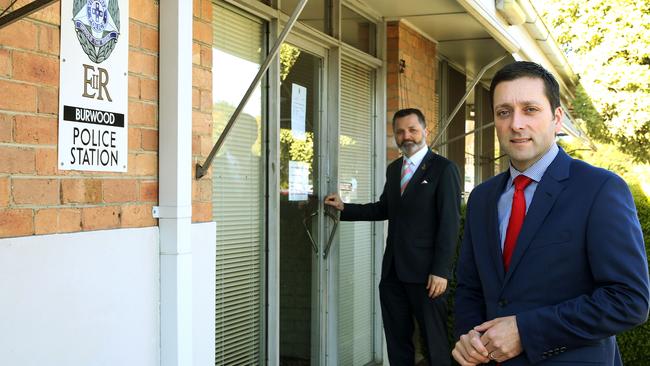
(304, 224)
(334, 218)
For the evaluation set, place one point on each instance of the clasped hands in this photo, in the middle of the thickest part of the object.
(495, 340)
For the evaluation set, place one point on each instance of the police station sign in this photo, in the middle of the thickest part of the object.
(93, 90)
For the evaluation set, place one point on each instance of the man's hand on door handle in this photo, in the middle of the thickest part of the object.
(334, 200)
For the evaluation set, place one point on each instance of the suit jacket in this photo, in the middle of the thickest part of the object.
(578, 275)
(423, 223)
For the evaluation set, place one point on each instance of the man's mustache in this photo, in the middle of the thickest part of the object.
(406, 142)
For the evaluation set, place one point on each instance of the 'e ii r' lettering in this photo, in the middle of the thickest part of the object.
(97, 81)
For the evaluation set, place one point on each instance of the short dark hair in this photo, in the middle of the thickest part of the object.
(407, 112)
(521, 69)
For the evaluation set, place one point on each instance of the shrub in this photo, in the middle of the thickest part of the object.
(635, 343)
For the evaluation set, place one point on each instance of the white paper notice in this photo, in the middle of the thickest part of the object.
(298, 108)
(298, 180)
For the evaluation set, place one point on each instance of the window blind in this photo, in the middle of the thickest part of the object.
(356, 286)
(237, 189)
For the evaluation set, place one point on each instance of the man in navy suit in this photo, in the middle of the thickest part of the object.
(421, 201)
(553, 263)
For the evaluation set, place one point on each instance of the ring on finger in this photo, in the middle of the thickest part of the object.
(491, 356)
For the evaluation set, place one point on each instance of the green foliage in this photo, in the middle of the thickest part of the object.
(635, 344)
(288, 56)
(607, 43)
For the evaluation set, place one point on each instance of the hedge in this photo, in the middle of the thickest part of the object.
(635, 343)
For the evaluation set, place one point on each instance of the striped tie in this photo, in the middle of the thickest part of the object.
(406, 175)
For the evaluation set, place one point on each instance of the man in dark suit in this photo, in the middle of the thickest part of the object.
(421, 201)
(552, 263)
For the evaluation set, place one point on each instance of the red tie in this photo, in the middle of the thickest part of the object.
(517, 215)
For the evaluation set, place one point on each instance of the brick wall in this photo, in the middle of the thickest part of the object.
(37, 198)
(202, 141)
(415, 87)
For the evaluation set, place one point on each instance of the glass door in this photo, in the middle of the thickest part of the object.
(303, 222)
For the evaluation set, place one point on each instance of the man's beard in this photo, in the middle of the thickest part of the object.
(409, 146)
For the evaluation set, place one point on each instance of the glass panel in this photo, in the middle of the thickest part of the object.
(315, 13)
(237, 188)
(470, 152)
(358, 31)
(355, 281)
(299, 119)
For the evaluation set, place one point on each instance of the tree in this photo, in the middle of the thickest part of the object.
(607, 43)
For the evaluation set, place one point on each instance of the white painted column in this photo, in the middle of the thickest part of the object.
(175, 182)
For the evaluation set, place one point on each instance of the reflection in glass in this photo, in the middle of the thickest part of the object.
(314, 14)
(357, 31)
(300, 71)
(237, 189)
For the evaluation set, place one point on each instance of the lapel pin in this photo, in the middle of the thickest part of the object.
(424, 182)
(424, 166)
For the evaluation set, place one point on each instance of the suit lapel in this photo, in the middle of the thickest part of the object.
(493, 236)
(418, 174)
(394, 176)
(547, 192)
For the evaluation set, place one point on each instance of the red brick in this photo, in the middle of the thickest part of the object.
(97, 218)
(119, 190)
(150, 140)
(206, 101)
(196, 53)
(134, 35)
(49, 14)
(201, 211)
(16, 222)
(5, 63)
(137, 216)
(131, 164)
(206, 10)
(4, 191)
(146, 164)
(35, 130)
(201, 78)
(46, 221)
(17, 97)
(22, 34)
(134, 87)
(204, 190)
(148, 191)
(16, 160)
(196, 145)
(201, 123)
(81, 191)
(149, 89)
(206, 145)
(196, 98)
(142, 114)
(6, 128)
(46, 161)
(149, 39)
(206, 56)
(202, 31)
(143, 64)
(196, 8)
(69, 220)
(35, 68)
(35, 191)
(49, 39)
(145, 11)
(48, 100)
(135, 140)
